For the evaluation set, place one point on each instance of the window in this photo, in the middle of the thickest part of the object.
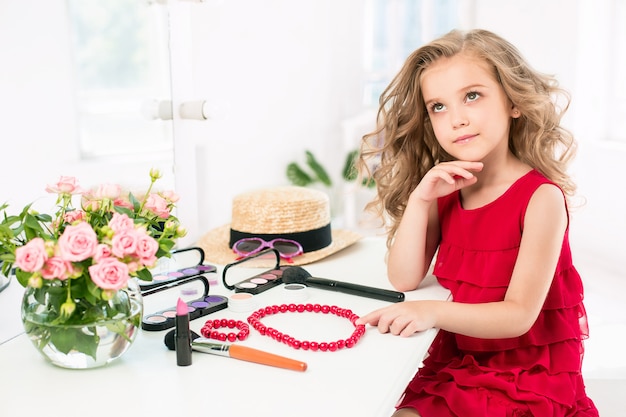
(394, 29)
(121, 63)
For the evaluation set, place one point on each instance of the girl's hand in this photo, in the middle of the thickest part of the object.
(446, 177)
(402, 319)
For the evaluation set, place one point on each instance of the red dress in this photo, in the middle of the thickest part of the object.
(536, 374)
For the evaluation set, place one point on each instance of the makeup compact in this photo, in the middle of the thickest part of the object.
(260, 282)
(166, 319)
(295, 293)
(178, 278)
(242, 302)
(173, 276)
(193, 257)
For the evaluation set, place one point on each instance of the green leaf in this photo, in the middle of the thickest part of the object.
(22, 277)
(67, 338)
(297, 176)
(349, 169)
(136, 204)
(318, 169)
(165, 246)
(144, 274)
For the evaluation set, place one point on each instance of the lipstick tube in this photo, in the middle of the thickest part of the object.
(182, 336)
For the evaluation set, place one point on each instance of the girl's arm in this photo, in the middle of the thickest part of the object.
(544, 228)
(414, 245)
(417, 236)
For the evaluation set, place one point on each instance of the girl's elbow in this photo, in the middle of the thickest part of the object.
(521, 326)
(403, 284)
(403, 287)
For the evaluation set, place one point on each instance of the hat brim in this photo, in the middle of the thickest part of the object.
(216, 250)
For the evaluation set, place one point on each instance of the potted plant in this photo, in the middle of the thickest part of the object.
(81, 306)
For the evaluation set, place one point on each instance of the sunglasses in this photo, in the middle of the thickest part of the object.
(249, 246)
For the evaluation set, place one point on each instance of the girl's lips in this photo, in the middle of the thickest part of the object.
(464, 138)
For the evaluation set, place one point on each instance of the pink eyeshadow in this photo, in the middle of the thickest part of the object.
(159, 277)
(247, 285)
(241, 296)
(156, 319)
(169, 313)
(270, 277)
(258, 280)
(278, 272)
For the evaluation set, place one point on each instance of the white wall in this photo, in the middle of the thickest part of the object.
(38, 132)
(281, 76)
(568, 39)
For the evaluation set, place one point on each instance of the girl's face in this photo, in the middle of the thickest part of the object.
(469, 111)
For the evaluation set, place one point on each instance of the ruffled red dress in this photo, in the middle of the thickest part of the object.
(536, 374)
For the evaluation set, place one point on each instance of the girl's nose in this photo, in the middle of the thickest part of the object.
(459, 118)
(459, 121)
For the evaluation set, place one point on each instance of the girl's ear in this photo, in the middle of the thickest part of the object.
(515, 113)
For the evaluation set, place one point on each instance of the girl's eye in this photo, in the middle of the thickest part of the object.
(437, 107)
(472, 96)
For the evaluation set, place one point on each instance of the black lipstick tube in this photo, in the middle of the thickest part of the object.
(182, 338)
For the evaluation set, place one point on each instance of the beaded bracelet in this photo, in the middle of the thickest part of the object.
(208, 330)
(255, 321)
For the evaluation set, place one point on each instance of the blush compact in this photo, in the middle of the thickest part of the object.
(261, 282)
(192, 257)
(166, 319)
(257, 283)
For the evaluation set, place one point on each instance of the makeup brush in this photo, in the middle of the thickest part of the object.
(296, 274)
(243, 353)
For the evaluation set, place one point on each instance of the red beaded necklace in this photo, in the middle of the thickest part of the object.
(255, 321)
(209, 329)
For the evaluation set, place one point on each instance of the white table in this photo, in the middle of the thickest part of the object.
(363, 381)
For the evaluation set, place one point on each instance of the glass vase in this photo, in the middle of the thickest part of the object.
(98, 333)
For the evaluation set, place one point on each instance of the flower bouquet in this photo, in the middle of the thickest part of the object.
(79, 266)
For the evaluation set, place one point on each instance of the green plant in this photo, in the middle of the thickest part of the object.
(350, 173)
(298, 176)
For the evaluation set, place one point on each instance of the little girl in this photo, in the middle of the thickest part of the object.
(473, 169)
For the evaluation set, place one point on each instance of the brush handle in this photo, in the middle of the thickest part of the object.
(258, 356)
(355, 289)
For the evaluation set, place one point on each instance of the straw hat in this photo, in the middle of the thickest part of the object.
(298, 213)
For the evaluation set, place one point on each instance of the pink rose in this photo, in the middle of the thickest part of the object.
(90, 204)
(102, 251)
(66, 185)
(123, 202)
(158, 205)
(124, 243)
(147, 248)
(109, 274)
(74, 216)
(109, 191)
(170, 195)
(133, 266)
(121, 222)
(78, 242)
(56, 267)
(31, 256)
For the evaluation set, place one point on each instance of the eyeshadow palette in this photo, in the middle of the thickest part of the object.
(261, 282)
(166, 319)
(159, 279)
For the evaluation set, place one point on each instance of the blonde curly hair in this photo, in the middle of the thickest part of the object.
(403, 147)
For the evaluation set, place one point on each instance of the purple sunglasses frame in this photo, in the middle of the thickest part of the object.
(265, 244)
